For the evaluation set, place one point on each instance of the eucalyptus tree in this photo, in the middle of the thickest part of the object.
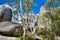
(27, 5)
(23, 6)
(53, 16)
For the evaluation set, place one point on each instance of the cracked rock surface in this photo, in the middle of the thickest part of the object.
(10, 29)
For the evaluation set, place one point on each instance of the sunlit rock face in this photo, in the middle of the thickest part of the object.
(44, 12)
(10, 29)
(42, 9)
(5, 14)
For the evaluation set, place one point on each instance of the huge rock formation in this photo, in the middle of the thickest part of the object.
(6, 26)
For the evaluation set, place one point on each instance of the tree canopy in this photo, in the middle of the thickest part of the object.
(53, 3)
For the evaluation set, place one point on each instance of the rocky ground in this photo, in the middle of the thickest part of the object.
(7, 38)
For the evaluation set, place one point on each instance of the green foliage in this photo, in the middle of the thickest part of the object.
(46, 34)
(17, 1)
(27, 5)
(20, 37)
(38, 31)
(53, 25)
(15, 12)
(53, 3)
(8, 0)
(29, 37)
(56, 21)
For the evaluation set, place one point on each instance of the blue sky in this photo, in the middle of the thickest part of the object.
(38, 3)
